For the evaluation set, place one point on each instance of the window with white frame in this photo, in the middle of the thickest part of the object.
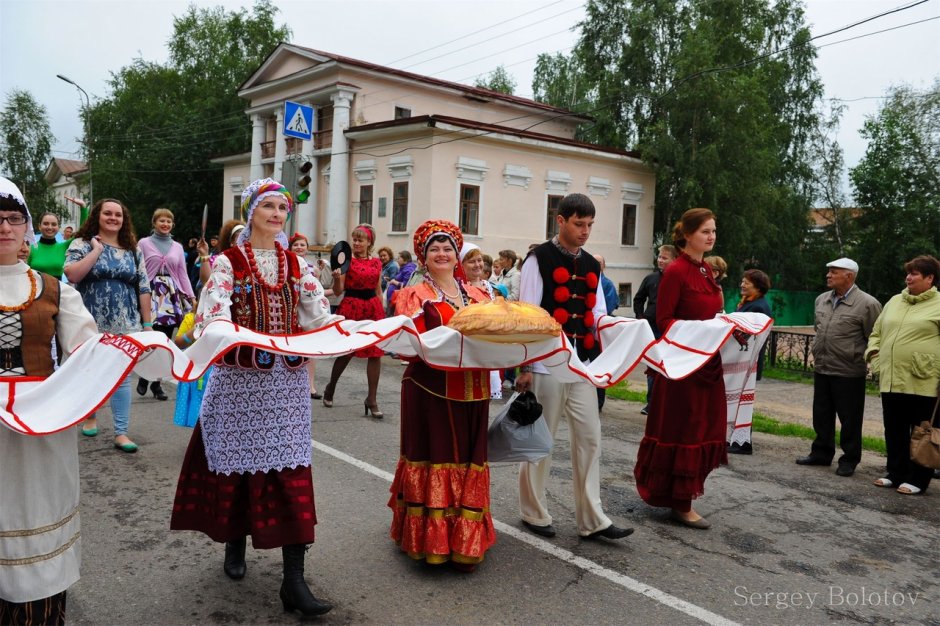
(551, 225)
(470, 209)
(628, 228)
(402, 112)
(365, 204)
(400, 207)
(625, 294)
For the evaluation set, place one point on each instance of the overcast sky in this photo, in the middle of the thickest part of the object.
(87, 40)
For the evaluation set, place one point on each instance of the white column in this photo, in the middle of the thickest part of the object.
(280, 145)
(306, 221)
(337, 212)
(256, 170)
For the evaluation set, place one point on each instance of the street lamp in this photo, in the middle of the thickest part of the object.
(87, 111)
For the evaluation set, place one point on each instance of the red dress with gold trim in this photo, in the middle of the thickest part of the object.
(441, 491)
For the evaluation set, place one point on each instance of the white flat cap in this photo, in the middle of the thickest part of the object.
(844, 263)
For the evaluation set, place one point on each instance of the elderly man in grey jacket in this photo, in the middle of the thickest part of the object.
(844, 319)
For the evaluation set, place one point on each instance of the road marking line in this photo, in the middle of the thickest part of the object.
(587, 565)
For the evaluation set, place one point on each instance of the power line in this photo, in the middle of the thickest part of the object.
(477, 32)
(596, 109)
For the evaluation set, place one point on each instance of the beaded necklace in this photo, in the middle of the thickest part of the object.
(281, 266)
(444, 295)
(33, 288)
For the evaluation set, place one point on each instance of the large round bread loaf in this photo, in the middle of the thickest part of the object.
(503, 321)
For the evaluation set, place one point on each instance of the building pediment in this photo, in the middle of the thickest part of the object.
(284, 61)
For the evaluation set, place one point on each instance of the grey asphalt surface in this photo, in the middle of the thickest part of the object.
(788, 545)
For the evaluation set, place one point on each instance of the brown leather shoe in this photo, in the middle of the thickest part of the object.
(700, 524)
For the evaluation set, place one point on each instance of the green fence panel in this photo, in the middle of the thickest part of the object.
(790, 308)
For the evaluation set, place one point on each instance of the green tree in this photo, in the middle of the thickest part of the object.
(153, 137)
(26, 149)
(497, 80)
(897, 188)
(720, 98)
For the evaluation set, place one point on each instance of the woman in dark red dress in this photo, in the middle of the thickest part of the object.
(362, 300)
(441, 492)
(685, 430)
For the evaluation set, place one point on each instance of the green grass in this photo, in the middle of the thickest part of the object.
(761, 423)
(871, 387)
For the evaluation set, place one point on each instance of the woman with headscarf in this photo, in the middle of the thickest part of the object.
(106, 267)
(441, 490)
(247, 467)
(362, 300)
(171, 294)
(40, 536)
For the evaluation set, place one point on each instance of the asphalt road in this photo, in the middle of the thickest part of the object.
(788, 545)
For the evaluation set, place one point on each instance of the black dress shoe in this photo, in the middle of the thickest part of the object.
(812, 460)
(845, 470)
(611, 532)
(542, 531)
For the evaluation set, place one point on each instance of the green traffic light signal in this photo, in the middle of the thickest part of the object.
(303, 194)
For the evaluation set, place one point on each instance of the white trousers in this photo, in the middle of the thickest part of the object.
(578, 403)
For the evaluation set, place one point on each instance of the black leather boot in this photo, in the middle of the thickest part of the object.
(295, 595)
(157, 390)
(235, 559)
(142, 386)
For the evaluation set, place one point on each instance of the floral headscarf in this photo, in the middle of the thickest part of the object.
(255, 193)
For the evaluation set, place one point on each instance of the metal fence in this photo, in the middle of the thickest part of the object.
(790, 351)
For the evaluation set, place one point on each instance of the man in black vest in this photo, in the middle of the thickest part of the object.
(562, 278)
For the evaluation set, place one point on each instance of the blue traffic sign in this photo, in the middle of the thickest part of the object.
(298, 120)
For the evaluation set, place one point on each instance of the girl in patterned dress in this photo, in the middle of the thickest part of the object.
(362, 300)
(106, 267)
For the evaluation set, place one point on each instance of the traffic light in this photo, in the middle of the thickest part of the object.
(303, 193)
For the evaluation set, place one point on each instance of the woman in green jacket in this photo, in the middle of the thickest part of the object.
(904, 350)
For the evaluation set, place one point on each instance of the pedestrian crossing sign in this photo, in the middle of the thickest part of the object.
(298, 120)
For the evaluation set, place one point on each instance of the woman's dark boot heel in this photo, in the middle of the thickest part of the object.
(157, 390)
(235, 566)
(295, 594)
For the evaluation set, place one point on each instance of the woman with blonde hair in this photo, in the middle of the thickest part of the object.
(171, 293)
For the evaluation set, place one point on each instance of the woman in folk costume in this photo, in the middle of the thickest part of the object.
(441, 491)
(40, 542)
(235, 481)
(685, 430)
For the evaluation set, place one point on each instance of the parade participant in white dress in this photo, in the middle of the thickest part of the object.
(40, 540)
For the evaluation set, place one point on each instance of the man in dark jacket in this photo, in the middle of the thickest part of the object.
(644, 303)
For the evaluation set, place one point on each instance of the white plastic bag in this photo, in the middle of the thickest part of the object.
(511, 442)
